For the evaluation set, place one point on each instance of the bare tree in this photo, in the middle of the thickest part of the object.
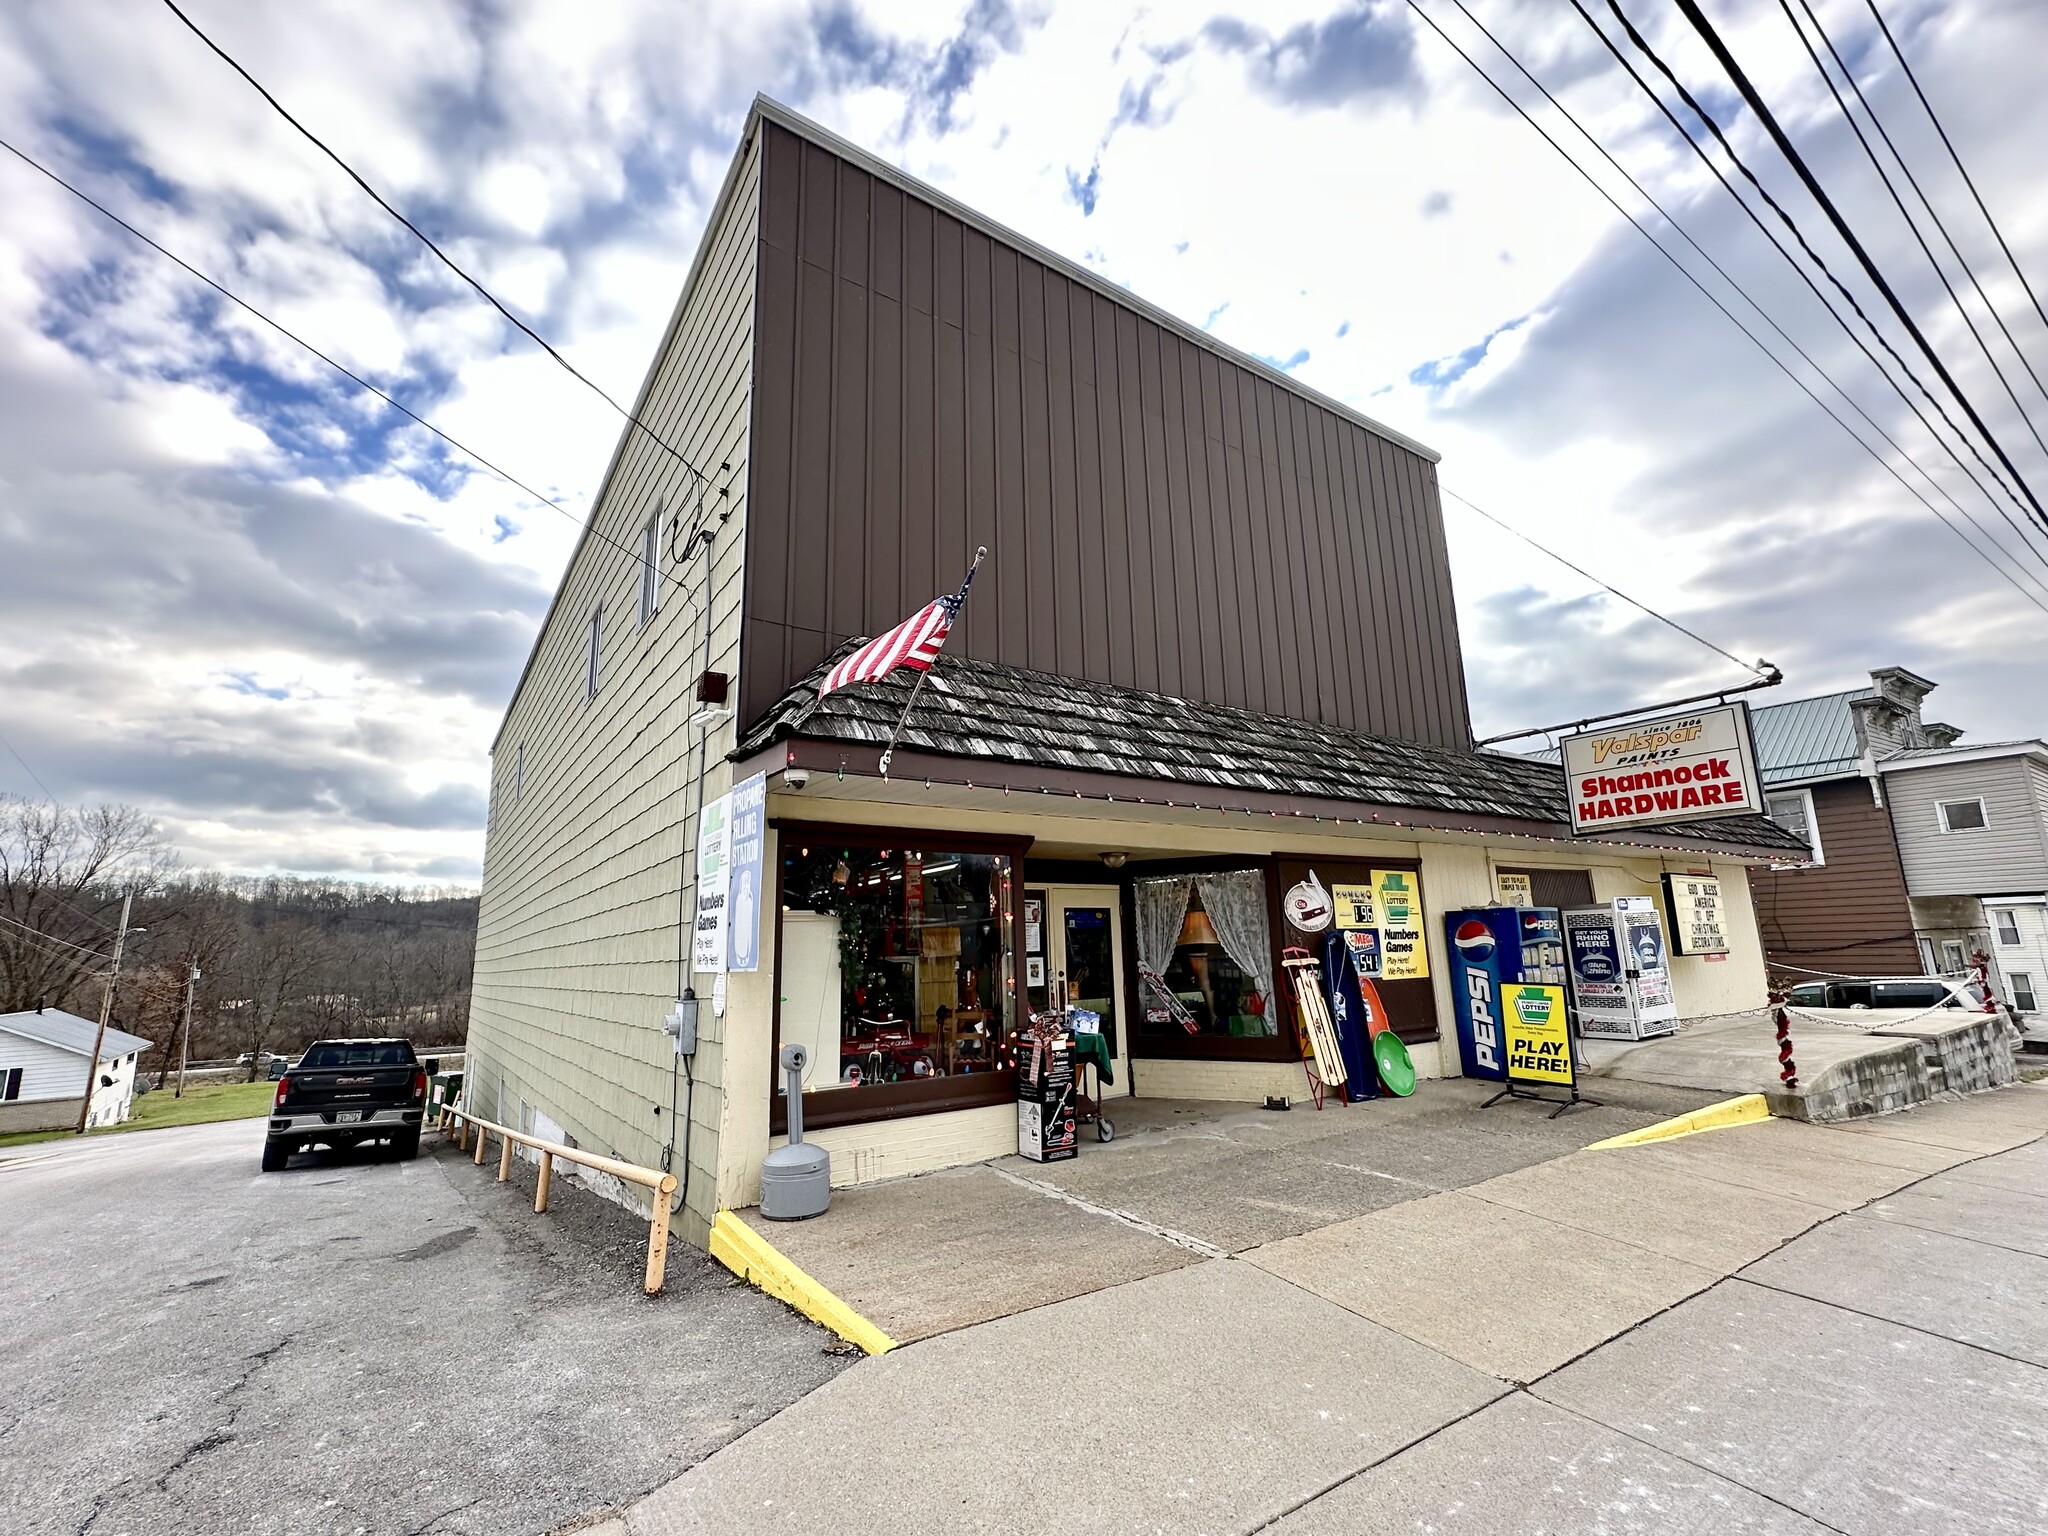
(278, 964)
(283, 959)
(62, 870)
(195, 925)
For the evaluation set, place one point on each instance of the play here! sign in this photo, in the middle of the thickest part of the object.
(1690, 767)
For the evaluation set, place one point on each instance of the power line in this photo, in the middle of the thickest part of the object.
(1664, 619)
(1900, 203)
(1749, 93)
(1798, 236)
(589, 526)
(1799, 270)
(446, 260)
(1752, 302)
(1997, 234)
(50, 938)
(1733, 318)
(1934, 214)
(4, 742)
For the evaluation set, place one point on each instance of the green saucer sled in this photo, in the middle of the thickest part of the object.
(1396, 1070)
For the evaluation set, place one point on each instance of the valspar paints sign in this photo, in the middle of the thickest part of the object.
(1690, 767)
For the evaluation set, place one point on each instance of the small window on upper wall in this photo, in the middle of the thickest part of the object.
(2008, 923)
(650, 571)
(1792, 809)
(590, 666)
(518, 772)
(1962, 815)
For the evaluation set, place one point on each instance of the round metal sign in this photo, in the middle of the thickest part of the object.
(1307, 905)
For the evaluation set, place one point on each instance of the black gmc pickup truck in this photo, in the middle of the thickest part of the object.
(343, 1092)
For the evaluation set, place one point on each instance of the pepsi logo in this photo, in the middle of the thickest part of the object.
(1475, 941)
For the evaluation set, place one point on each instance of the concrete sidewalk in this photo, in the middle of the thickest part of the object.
(1182, 1182)
(1635, 1339)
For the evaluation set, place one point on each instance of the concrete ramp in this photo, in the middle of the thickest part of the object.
(1847, 1070)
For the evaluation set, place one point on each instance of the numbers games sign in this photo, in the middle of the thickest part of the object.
(1697, 766)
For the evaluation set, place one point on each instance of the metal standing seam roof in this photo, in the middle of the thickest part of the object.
(978, 709)
(1808, 738)
(1962, 750)
(68, 1032)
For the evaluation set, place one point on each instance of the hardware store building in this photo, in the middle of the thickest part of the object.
(1212, 651)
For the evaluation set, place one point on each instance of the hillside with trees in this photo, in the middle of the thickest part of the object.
(281, 960)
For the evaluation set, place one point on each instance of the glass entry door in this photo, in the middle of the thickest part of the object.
(1082, 941)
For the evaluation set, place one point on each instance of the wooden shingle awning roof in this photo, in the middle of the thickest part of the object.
(1075, 730)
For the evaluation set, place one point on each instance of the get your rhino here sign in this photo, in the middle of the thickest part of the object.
(1691, 767)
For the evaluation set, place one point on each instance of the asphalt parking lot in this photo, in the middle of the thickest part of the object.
(354, 1345)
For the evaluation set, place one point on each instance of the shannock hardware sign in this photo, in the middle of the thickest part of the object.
(1653, 773)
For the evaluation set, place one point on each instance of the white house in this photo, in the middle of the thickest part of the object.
(42, 1071)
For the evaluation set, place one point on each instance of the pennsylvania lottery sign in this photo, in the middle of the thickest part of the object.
(1691, 767)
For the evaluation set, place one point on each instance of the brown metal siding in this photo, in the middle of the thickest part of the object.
(1851, 914)
(1157, 517)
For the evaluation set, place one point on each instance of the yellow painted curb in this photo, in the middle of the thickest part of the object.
(758, 1262)
(1746, 1110)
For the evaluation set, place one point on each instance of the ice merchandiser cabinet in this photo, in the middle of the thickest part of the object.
(1620, 970)
(1492, 949)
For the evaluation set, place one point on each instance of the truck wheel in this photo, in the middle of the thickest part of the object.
(276, 1153)
(406, 1145)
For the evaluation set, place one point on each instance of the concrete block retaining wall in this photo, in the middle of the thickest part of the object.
(1919, 1063)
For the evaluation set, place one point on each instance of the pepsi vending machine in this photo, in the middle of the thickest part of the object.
(1493, 948)
(1621, 976)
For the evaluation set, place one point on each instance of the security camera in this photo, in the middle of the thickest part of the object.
(795, 778)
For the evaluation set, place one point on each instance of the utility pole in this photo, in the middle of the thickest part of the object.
(92, 1067)
(185, 1030)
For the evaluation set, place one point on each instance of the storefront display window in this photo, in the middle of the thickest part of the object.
(895, 967)
(1205, 961)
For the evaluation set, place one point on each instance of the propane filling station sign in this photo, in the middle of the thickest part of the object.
(1689, 767)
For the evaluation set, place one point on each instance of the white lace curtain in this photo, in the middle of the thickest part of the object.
(1236, 903)
(1162, 906)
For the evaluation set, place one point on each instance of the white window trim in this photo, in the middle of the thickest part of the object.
(2013, 982)
(1812, 822)
(519, 773)
(1998, 933)
(650, 569)
(593, 661)
(1941, 814)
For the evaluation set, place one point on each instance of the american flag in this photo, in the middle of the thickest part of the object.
(914, 643)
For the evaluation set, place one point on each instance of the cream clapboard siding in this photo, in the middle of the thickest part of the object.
(2008, 855)
(578, 931)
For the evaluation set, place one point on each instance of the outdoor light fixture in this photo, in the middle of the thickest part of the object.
(1114, 860)
(710, 714)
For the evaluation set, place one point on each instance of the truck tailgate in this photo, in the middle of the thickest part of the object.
(349, 1087)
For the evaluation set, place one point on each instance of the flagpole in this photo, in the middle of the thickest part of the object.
(980, 554)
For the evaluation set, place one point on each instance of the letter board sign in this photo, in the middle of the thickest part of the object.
(1694, 903)
(1696, 766)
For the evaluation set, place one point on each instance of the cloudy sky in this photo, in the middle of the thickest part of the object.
(236, 591)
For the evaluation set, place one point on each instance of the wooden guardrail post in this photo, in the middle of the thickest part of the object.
(662, 1184)
(657, 1236)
